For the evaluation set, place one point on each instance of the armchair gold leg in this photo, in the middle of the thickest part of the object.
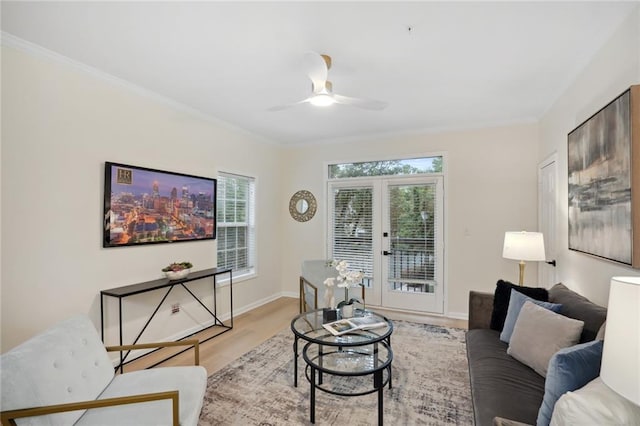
(191, 342)
(303, 307)
(8, 417)
(303, 297)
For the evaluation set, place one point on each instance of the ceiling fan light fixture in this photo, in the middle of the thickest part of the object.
(322, 100)
(322, 90)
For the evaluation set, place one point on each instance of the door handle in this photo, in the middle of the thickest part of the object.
(552, 262)
(387, 253)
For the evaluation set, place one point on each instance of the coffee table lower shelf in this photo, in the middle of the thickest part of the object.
(334, 370)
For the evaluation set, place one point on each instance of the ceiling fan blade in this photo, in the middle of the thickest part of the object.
(317, 69)
(287, 106)
(360, 102)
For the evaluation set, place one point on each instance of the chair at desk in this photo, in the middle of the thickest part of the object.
(312, 287)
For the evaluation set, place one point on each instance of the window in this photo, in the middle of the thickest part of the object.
(408, 166)
(236, 223)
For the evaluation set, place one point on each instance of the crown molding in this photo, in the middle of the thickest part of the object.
(17, 43)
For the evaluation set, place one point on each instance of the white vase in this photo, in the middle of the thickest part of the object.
(347, 311)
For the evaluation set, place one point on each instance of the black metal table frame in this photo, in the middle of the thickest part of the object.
(297, 335)
(130, 290)
(378, 380)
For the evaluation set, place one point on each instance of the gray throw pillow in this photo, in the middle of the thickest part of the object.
(540, 333)
(516, 302)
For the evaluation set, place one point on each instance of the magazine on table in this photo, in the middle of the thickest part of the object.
(347, 325)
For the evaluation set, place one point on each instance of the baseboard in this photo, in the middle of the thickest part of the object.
(458, 315)
(418, 317)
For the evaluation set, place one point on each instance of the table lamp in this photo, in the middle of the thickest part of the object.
(621, 354)
(523, 246)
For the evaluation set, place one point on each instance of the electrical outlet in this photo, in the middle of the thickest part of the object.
(175, 308)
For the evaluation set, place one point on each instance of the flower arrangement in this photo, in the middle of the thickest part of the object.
(177, 266)
(177, 270)
(345, 279)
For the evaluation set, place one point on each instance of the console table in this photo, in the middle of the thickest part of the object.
(130, 290)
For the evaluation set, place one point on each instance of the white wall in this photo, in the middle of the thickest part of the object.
(490, 188)
(615, 67)
(59, 126)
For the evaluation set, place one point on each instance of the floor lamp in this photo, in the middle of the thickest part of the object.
(523, 246)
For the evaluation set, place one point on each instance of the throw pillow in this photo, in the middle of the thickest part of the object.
(580, 308)
(501, 298)
(516, 301)
(595, 404)
(569, 369)
(600, 335)
(540, 333)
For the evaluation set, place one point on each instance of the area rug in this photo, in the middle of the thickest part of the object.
(430, 385)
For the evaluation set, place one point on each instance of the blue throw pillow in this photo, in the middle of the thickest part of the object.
(569, 369)
(516, 301)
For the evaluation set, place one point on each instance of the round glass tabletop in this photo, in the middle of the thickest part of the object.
(308, 326)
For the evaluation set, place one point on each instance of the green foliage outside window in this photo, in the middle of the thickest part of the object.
(386, 168)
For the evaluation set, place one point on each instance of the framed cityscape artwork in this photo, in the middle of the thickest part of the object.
(148, 206)
(604, 182)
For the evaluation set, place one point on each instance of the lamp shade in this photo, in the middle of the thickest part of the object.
(523, 246)
(621, 354)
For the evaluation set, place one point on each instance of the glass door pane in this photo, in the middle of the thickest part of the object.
(352, 228)
(412, 225)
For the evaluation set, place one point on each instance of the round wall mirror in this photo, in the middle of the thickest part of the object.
(302, 206)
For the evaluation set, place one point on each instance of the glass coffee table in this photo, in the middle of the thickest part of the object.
(348, 362)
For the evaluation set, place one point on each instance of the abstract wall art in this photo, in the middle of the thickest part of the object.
(604, 188)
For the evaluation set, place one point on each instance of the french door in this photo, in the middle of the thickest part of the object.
(392, 230)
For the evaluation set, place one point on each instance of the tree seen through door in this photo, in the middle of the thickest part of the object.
(412, 237)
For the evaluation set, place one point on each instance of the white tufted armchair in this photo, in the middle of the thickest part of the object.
(64, 377)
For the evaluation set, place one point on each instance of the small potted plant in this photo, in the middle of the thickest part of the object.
(177, 270)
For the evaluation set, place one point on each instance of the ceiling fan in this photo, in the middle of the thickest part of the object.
(322, 89)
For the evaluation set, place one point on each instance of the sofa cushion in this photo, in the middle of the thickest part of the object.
(500, 385)
(516, 301)
(580, 308)
(501, 298)
(569, 369)
(74, 367)
(595, 404)
(540, 333)
(190, 382)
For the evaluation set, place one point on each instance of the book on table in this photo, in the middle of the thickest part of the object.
(348, 325)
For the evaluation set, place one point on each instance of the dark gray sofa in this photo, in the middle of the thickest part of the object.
(502, 387)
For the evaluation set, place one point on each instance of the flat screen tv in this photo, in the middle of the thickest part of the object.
(147, 206)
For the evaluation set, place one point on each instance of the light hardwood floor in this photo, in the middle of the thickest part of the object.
(254, 327)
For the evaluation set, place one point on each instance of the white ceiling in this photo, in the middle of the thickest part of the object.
(462, 65)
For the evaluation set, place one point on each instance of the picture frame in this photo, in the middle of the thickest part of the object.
(604, 182)
(150, 206)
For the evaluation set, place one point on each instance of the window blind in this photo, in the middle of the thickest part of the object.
(236, 223)
(352, 228)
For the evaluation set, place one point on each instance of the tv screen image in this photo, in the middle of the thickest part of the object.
(148, 206)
